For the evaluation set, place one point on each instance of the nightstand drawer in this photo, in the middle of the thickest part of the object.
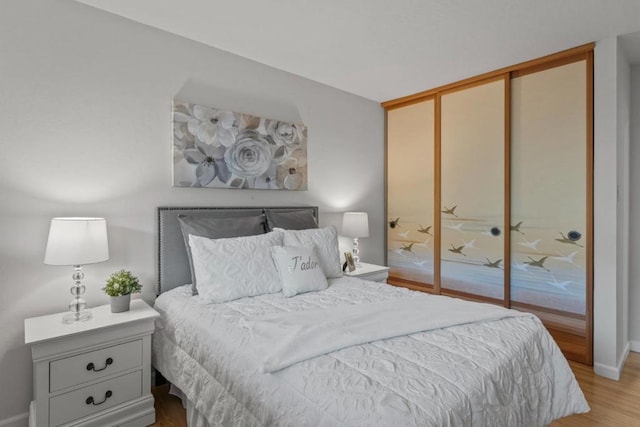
(95, 364)
(89, 400)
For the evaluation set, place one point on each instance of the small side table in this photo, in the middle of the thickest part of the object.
(93, 373)
(375, 273)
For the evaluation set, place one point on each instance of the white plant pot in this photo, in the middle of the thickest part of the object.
(120, 303)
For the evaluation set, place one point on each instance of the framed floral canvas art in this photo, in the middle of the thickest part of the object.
(224, 149)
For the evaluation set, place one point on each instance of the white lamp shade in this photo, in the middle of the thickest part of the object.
(355, 224)
(77, 241)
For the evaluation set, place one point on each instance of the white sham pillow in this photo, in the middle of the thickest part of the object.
(236, 267)
(325, 241)
(299, 269)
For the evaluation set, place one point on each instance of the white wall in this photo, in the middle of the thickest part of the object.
(623, 106)
(611, 142)
(634, 237)
(85, 129)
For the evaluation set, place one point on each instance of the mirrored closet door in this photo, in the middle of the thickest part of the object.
(472, 176)
(549, 188)
(410, 192)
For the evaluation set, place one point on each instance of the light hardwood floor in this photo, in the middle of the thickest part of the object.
(613, 403)
(169, 410)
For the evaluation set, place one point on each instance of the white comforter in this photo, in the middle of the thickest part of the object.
(506, 372)
(284, 339)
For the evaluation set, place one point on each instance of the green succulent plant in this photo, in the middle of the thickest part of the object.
(122, 283)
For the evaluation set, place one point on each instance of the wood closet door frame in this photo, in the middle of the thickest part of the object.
(584, 52)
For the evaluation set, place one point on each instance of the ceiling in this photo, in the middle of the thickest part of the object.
(382, 49)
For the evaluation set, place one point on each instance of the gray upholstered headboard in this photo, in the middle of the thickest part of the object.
(173, 264)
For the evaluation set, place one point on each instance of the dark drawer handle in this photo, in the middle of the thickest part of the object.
(92, 367)
(90, 400)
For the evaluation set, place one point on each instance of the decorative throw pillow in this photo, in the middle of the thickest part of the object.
(216, 228)
(325, 241)
(228, 269)
(300, 219)
(299, 269)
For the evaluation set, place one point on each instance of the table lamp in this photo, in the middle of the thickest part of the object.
(355, 224)
(76, 242)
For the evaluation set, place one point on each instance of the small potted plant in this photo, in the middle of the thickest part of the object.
(120, 285)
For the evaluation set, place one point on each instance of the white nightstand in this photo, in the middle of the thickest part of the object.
(375, 273)
(93, 373)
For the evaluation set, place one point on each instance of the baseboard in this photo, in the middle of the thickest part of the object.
(20, 420)
(623, 357)
(635, 346)
(613, 372)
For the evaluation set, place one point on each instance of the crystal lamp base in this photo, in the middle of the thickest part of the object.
(81, 316)
(77, 304)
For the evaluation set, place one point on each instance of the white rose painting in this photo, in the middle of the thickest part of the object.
(223, 149)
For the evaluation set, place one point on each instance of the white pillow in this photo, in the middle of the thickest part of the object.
(237, 267)
(299, 268)
(325, 241)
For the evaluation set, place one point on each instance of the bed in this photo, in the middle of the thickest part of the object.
(354, 353)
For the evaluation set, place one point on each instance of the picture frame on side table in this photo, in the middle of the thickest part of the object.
(351, 265)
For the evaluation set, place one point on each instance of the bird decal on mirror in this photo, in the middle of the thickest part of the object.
(537, 263)
(420, 264)
(568, 258)
(425, 230)
(451, 211)
(492, 264)
(565, 239)
(457, 250)
(516, 228)
(522, 267)
(471, 244)
(407, 248)
(457, 227)
(424, 244)
(531, 245)
(560, 285)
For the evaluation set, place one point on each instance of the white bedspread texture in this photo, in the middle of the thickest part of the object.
(291, 337)
(505, 372)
